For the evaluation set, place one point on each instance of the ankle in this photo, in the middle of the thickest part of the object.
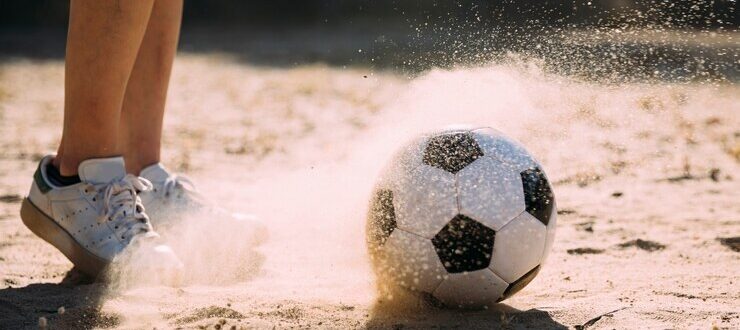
(65, 165)
(135, 164)
(56, 178)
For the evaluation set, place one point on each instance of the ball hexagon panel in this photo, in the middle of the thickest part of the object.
(464, 245)
(403, 161)
(519, 247)
(451, 152)
(416, 265)
(406, 159)
(473, 289)
(382, 217)
(455, 128)
(520, 283)
(427, 202)
(495, 144)
(490, 191)
(538, 196)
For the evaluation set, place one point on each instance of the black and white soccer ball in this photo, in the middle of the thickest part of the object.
(466, 216)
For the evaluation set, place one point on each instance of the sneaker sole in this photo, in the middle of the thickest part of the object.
(46, 228)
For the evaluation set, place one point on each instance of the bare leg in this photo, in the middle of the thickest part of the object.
(103, 39)
(140, 132)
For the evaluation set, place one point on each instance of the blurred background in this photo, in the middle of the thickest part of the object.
(612, 39)
(697, 14)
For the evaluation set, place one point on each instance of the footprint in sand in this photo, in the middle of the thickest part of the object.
(646, 245)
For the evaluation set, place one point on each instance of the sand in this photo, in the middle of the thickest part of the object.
(645, 176)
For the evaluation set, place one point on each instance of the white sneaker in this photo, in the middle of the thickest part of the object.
(174, 197)
(93, 221)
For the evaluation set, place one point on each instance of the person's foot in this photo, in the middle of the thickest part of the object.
(92, 218)
(174, 197)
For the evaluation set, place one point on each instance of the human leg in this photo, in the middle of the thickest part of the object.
(102, 42)
(140, 132)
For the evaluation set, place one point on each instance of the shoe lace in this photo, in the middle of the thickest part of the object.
(121, 205)
(177, 183)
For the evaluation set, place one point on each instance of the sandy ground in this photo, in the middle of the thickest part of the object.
(645, 176)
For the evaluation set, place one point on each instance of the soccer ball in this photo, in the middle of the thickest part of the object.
(465, 216)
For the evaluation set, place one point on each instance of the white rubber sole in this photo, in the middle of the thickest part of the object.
(46, 228)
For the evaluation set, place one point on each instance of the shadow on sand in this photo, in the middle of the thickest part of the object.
(408, 310)
(80, 297)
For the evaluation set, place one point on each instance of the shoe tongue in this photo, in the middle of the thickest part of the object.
(155, 173)
(102, 170)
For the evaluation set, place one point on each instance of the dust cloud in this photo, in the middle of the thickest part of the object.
(314, 205)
